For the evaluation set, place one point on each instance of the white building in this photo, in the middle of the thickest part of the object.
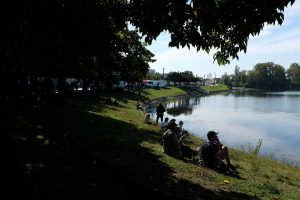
(155, 83)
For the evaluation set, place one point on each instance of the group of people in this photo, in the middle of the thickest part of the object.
(211, 153)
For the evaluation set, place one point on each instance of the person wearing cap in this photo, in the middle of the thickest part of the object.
(213, 152)
(180, 129)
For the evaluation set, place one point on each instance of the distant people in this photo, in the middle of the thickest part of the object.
(139, 106)
(160, 112)
(164, 124)
(213, 152)
(147, 118)
(110, 101)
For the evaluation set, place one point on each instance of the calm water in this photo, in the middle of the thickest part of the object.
(242, 118)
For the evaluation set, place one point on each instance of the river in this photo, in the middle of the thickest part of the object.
(243, 118)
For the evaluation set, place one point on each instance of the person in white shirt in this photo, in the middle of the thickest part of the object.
(164, 124)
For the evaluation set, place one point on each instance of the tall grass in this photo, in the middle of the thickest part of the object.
(257, 147)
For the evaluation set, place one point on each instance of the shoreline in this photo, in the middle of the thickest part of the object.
(150, 103)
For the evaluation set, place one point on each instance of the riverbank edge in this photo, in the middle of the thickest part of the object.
(146, 104)
(151, 103)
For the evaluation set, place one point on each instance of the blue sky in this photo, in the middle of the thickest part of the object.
(278, 44)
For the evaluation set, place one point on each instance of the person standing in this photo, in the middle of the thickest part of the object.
(160, 112)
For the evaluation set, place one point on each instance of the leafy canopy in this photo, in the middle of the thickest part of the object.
(61, 36)
(205, 24)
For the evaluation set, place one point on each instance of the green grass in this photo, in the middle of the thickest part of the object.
(137, 150)
(117, 135)
(153, 93)
(215, 88)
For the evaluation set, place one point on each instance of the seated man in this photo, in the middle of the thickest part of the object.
(164, 124)
(181, 130)
(139, 106)
(213, 152)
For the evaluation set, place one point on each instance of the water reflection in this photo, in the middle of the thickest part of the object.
(183, 106)
(243, 118)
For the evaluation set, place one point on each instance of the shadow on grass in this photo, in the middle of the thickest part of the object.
(75, 154)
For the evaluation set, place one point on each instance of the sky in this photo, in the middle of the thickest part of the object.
(277, 44)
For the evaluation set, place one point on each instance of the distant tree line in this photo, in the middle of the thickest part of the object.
(267, 75)
(186, 78)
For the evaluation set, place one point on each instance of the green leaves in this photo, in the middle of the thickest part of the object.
(221, 24)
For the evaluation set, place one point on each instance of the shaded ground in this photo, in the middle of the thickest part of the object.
(43, 158)
(42, 161)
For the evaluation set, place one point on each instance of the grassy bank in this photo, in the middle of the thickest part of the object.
(215, 88)
(155, 93)
(120, 148)
(135, 149)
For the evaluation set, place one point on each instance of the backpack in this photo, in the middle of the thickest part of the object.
(208, 155)
(187, 151)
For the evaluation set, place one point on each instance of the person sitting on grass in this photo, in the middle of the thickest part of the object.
(213, 152)
(139, 106)
(174, 146)
(181, 130)
(147, 118)
(164, 124)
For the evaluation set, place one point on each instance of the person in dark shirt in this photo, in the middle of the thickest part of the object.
(160, 112)
(213, 152)
(171, 143)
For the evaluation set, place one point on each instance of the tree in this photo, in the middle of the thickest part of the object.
(243, 78)
(155, 76)
(227, 80)
(237, 76)
(174, 77)
(293, 73)
(224, 24)
(60, 37)
(278, 79)
(268, 76)
(135, 58)
(185, 77)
